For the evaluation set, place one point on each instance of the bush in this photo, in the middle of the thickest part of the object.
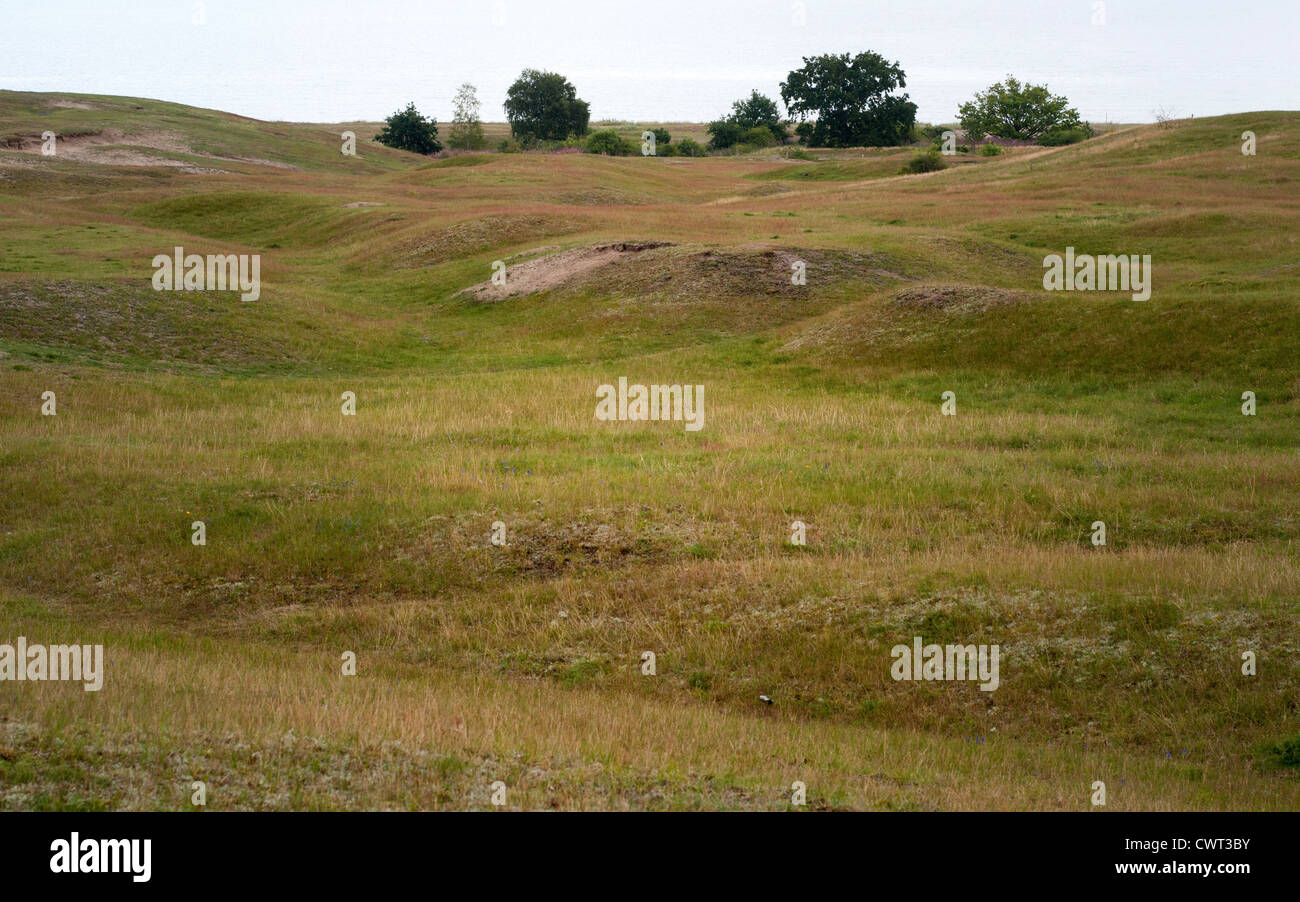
(662, 138)
(1286, 753)
(408, 130)
(758, 137)
(723, 134)
(607, 142)
(991, 150)
(926, 162)
(689, 147)
(508, 146)
(1061, 136)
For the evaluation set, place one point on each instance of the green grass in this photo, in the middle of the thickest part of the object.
(371, 533)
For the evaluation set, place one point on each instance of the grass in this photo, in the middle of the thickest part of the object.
(521, 663)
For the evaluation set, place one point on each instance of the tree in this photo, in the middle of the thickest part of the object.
(466, 126)
(851, 101)
(755, 111)
(408, 130)
(545, 106)
(1021, 112)
(758, 111)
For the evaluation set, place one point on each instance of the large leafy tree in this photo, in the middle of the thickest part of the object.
(466, 126)
(545, 106)
(408, 130)
(1021, 112)
(851, 101)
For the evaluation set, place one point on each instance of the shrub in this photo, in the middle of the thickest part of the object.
(757, 137)
(689, 147)
(990, 150)
(408, 130)
(723, 134)
(1061, 136)
(1287, 752)
(607, 142)
(508, 146)
(925, 162)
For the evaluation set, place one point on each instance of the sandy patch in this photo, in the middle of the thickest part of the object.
(553, 270)
(111, 147)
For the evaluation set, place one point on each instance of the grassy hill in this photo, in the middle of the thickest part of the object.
(371, 533)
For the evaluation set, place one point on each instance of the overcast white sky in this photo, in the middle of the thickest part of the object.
(335, 60)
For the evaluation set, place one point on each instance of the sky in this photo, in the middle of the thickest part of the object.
(649, 60)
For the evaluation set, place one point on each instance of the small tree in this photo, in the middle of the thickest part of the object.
(466, 126)
(758, 111)
(755, 111)
(1165, 118)
(408, 130)
(1019, 112)
(542, 106)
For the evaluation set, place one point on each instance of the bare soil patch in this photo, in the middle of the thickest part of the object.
(111, 147)
(553, 270)
(670, 273)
